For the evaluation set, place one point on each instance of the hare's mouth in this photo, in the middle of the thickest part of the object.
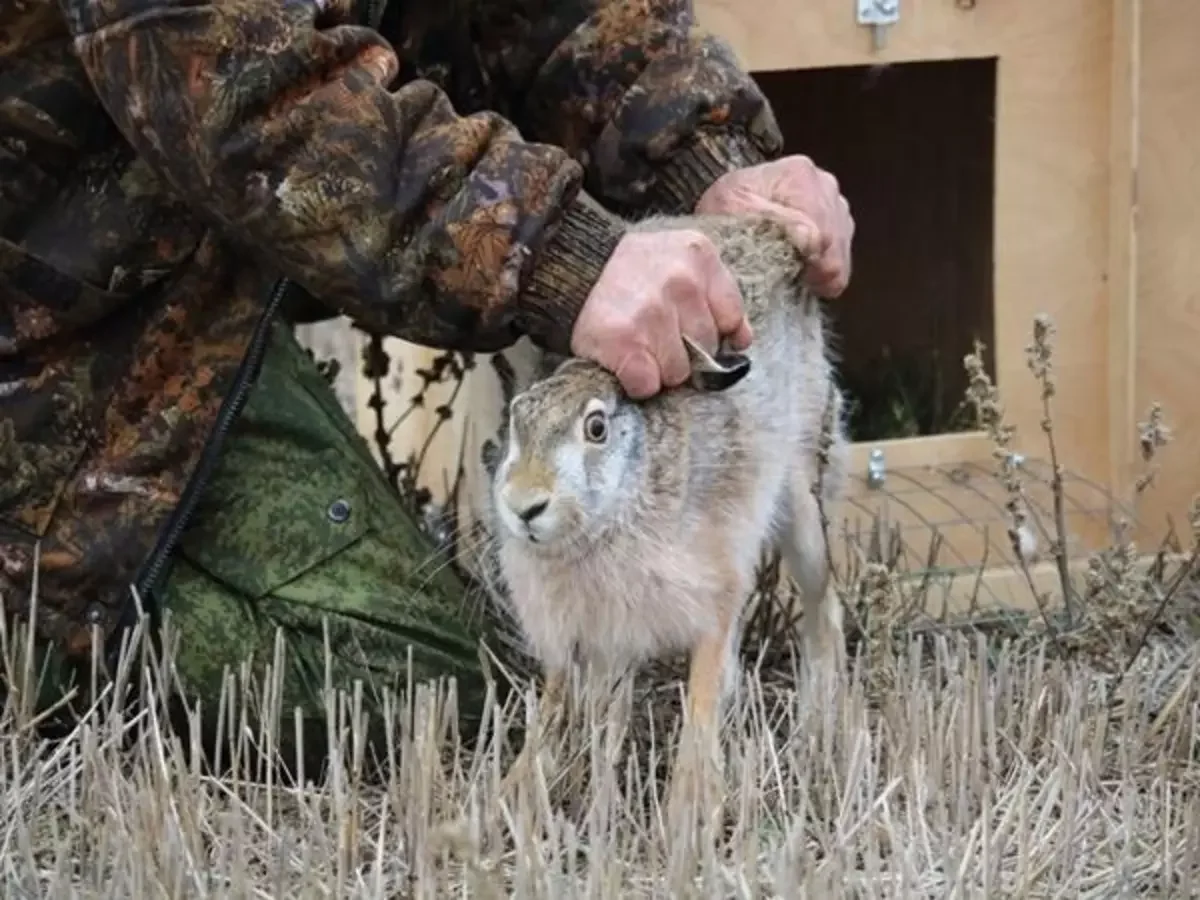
(532, 516)
(550, 535)
(541, 533)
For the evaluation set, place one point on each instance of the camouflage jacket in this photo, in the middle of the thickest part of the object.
(168, 170)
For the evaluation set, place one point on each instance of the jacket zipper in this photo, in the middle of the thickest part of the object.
(231, 407)
(151, 570)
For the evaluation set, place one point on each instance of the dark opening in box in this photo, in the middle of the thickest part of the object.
(912, 146)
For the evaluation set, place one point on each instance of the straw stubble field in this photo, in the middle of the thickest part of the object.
(1048, 760)
(978, 772)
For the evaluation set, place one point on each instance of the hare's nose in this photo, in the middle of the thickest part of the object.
(532, 511)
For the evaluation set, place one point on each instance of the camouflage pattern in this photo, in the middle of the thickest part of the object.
(299, 531)
(299, 534)
(163, 163)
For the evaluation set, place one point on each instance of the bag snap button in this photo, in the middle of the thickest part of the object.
(339, 511)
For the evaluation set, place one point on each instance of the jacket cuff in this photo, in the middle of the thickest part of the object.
(566, 271)
(688, 173)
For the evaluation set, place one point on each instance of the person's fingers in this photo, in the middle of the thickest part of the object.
(829, 275)
(661, 322)
(823, 243)
(829, 183)
(639, 374)
(743, 337)
(674, 364)
(827, 286)
(686, 295)
(723, 298)
(803, 234)
(696, 322)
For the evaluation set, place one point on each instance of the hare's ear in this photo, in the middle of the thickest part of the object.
(551, 362)
(563, 364)
(715, 373)
(489, 455)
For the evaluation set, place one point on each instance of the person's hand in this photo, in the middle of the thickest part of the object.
(657, 287)
(804, 199)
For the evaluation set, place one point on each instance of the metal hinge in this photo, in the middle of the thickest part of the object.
(879, 16)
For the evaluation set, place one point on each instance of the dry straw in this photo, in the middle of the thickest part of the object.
(1053, 760)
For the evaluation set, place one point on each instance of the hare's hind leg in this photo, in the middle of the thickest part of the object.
(804, 550)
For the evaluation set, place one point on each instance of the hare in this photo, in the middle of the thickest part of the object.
(629, 530)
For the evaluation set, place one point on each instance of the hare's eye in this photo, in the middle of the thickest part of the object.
(595, 427)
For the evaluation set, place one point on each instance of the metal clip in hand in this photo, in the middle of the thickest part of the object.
(715, 373)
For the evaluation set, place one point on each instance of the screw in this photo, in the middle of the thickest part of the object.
(876, 469)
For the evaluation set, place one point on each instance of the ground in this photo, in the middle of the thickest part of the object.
(944, 772)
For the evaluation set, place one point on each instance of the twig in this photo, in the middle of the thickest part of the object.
(1185, 572)
(1040, 359)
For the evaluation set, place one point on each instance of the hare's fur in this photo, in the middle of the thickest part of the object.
(649, 540)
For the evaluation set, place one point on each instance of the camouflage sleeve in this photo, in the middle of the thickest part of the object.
(275, 122)
(656, 108)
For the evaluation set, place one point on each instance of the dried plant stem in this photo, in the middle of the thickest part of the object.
(1153, 435)
(989, 414)
(1040, 359)
(375, 367)
(1186, 573)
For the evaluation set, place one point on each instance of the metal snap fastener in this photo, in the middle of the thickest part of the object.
(94, 615)
(339, 511)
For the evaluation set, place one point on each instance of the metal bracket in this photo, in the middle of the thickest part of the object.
(879, 16)
(876, 470)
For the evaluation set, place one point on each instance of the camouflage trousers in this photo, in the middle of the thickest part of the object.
(298, 534)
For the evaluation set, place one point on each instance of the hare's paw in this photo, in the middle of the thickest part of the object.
(696, 794)
(543, 747)
(532, 763)
(823, 669)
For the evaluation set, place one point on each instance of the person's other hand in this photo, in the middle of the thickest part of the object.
(804, 199)
(657, 287)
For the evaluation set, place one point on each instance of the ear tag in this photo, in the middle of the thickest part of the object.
(715, 373)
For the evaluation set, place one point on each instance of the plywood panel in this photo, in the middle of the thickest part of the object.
(416, 429)
(1125, 126)
(336, 340)
(782, 34)
(1168, 247)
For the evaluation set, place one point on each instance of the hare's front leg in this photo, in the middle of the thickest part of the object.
(697, 781)
(541, 740)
